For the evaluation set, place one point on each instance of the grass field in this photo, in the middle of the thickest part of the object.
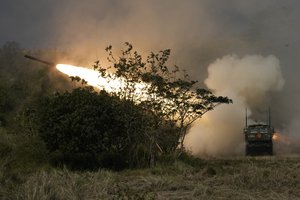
(232, 178)
(26, 174)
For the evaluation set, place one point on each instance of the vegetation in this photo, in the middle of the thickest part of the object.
(167, 93)
(23, 81)
(126, 128)
(84, 129)
(51, 132)
(87, 129)
(236, 178)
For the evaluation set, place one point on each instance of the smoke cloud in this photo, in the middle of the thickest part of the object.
(197, 31)
(250, 82)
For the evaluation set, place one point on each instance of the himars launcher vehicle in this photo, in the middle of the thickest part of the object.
(258, 138)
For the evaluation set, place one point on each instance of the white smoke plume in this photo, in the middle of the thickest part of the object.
(249, 81)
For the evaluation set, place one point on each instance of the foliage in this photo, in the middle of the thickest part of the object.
(131, 127)
(166, 92)
(87, 129)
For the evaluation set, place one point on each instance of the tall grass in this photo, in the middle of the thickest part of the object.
(241, 178)
(25, 174)
(63, 184)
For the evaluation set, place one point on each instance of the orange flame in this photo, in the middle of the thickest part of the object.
(275, 136)
(92, 77)
(281, 138)
(95, 79)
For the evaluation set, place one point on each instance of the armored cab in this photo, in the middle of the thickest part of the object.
(258, 138)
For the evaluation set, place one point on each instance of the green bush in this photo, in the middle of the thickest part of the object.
(85, 129)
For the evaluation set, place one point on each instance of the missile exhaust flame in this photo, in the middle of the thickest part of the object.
(92, 77)
(95, 79)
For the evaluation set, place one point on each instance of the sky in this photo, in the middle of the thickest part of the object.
(202, 29)
(198, 32)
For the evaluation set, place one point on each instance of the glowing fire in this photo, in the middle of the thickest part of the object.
(275, 136)
(282, 138)
(94, 78)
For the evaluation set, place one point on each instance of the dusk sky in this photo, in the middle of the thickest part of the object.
(197, 31)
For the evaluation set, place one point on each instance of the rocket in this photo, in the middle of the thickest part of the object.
(39, 60)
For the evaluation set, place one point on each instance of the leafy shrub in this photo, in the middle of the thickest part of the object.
(86, 129)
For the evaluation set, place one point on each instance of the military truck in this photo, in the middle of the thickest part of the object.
(258, 138)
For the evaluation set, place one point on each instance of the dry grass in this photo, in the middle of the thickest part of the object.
(234, 178)
(24, 174)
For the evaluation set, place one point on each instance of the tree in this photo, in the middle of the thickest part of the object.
(166, 93)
